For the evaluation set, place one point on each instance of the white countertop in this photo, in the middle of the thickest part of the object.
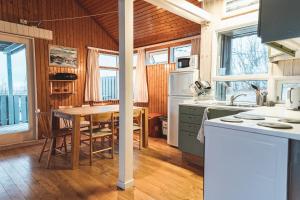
(250, 126)
(272, 114)
(278, 111)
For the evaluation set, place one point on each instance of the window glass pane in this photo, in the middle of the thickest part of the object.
(108, 60)
(157, 57)
(3, 74)
(225, 89)
(243, 53)
(285, 87)
(19, 71)
(109, 84)
(234, 5)
(181, 51)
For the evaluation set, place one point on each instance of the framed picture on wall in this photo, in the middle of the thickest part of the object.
(62, 56)
(237, 7)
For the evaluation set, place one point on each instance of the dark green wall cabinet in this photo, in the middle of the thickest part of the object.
(278, 20)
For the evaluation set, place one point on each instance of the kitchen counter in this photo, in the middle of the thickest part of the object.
(251, 127)
(278, 111)
(239, 155)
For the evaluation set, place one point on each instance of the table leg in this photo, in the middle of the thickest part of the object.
(145, 128)
(75, 142)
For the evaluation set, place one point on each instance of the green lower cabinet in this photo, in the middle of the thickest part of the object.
(190, 120)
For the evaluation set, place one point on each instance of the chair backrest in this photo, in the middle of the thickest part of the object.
(63, 123)
(105, 117)
(137, 116)
(45, 123)
(98, 118)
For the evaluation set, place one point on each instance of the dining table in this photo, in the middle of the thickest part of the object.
(74, 115)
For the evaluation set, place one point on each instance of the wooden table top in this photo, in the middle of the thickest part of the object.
(90, 110)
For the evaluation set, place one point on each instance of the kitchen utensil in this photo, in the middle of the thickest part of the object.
(293, 99)
(275, 125)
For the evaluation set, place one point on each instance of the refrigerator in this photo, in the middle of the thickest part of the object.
(178, 92)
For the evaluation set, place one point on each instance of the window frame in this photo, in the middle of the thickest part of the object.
(171, 56)
(279, 80)
(117, 69)
(243, 77)
(155, 51)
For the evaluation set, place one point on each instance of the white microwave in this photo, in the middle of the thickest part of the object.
(188, 63)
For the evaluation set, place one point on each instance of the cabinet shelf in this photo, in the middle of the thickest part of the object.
(59, 85)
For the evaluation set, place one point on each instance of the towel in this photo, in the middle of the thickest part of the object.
(200, 135)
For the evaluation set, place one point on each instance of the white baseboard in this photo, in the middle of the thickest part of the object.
(125, 185)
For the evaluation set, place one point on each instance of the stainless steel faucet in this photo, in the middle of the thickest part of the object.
(233, 98)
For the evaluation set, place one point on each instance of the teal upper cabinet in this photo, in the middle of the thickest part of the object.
(278, 20)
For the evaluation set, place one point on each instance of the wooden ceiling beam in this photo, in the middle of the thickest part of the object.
(184, 9)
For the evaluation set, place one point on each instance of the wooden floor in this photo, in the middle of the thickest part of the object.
(158, 171)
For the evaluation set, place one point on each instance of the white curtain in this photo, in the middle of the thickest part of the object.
(92, 83)
(196, 45)
(140, 85)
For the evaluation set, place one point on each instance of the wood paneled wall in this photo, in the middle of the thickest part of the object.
(78, 34)
(158, 77)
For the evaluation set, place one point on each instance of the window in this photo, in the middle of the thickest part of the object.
(157, 57)
(109, 75)
(233, 7)
(244, 61)
(180, 51)
(108, 60)
(283, 84)
(225, 89)
(3, 74)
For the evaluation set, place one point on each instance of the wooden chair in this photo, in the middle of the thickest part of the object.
(84, 124)
(96, 131)
(137, 126)
(48, 133)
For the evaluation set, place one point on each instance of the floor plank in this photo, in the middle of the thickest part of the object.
(159, 172)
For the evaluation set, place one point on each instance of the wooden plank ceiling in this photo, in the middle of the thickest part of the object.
(151, 24)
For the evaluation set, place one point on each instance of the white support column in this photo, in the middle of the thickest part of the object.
(126, 94)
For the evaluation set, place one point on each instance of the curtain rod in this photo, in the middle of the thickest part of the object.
(149, 46)
(104, 50)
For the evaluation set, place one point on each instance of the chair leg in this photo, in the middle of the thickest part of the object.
(112, 146)
(43, 149)
(65, 144)
(50, 152)
(140, 139)
(91, 150)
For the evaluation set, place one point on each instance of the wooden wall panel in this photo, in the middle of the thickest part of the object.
(78, 34)
(158, 76)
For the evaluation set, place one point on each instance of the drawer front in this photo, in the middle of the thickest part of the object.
(191, 110)
(187, 127)
(189, 143)
(192, 119)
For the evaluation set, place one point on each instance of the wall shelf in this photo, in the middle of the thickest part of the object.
(62, 87)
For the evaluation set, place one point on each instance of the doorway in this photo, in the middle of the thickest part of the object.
(17, 90)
